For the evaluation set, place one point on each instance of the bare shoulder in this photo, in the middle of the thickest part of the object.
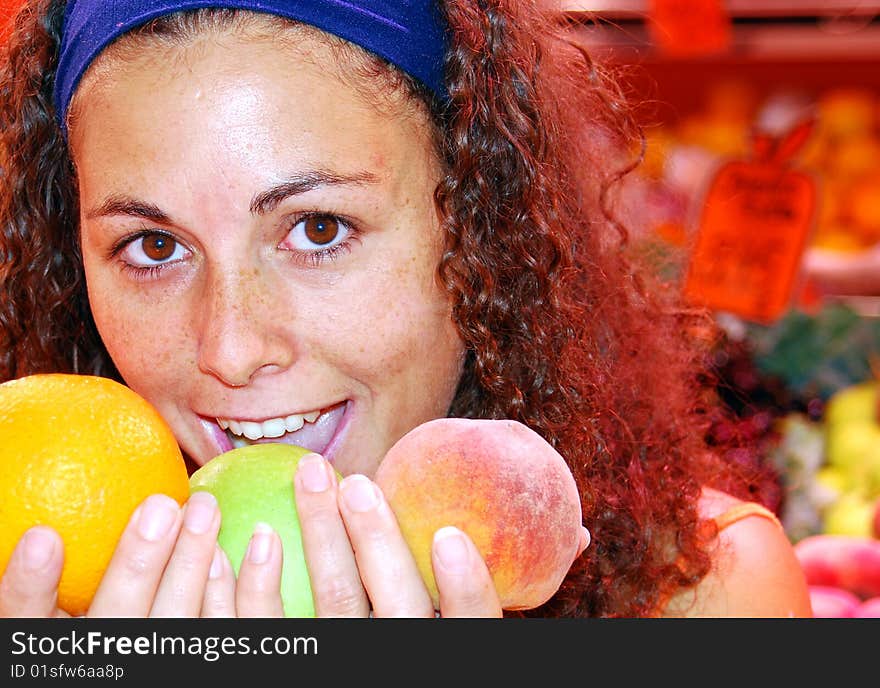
(755, 572)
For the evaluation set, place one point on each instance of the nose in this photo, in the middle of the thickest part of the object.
(241, 333)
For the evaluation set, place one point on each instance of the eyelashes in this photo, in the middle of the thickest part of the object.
(146, 253)
(331, 234)
(313, 239)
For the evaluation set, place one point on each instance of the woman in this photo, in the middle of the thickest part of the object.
(352, 218)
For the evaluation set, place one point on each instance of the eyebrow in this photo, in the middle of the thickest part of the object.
(267, 200)
(262, 203)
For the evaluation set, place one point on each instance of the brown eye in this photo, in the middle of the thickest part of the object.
(321, 229)
(158, 247)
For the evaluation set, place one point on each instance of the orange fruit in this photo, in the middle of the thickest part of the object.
(79, 453)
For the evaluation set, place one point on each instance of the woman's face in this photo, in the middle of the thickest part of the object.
(260, 246)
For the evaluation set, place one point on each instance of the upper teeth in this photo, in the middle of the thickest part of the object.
(274, 427)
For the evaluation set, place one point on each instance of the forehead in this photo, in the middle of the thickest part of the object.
(214, 121)
(268, 50)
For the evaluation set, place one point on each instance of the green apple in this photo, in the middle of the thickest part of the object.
(253, 484)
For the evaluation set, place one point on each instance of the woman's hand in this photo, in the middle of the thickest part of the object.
(167, 563)
(360, 564)
(29, 586)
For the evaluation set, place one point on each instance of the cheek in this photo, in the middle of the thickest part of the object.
(141, 337)
(400, 330)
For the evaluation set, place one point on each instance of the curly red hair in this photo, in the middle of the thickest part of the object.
(564, 333)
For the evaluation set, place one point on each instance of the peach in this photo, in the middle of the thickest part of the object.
(502, 484)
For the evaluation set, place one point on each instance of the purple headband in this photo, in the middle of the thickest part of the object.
(408, 33)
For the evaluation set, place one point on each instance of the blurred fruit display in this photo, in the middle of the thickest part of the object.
(803, 423)
(803, 387)
(842, 152)
(843, 574)
(804, 396)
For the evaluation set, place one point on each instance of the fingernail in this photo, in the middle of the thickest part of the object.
(39, 546)
(217, 564)
(359, 493)
(200, 512)
(157, 515)
(586, 538)
(451, 549)
(260, 545)
(313, 473)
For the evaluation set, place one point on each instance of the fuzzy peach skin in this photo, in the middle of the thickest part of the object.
(502, 484)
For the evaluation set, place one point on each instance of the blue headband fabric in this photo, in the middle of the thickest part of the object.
(408, 33)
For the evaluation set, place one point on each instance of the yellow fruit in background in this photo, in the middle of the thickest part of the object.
(851, 514)
(855, 448)
(852, 435)
(79, 453)
(831, 483)
(853, 403)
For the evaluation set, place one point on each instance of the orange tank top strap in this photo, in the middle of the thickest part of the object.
(736, 511)
(740, 511)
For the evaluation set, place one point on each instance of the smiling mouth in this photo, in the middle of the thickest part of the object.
(314, 430)
(272, 428)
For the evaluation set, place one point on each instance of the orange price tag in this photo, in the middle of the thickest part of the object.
(689, 27)
(754, 227)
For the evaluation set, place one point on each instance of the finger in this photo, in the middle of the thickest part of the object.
(258, 592)
(129, 585)
(464, 582)
(182, 587)
(219, 598)
(29, 586)
(386, 565)
(336, 584)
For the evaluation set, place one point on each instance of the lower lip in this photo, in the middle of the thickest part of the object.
(336, 441)
(221, 439)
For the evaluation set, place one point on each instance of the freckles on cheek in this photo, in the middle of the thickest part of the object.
(141, 347)
(405, 333)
